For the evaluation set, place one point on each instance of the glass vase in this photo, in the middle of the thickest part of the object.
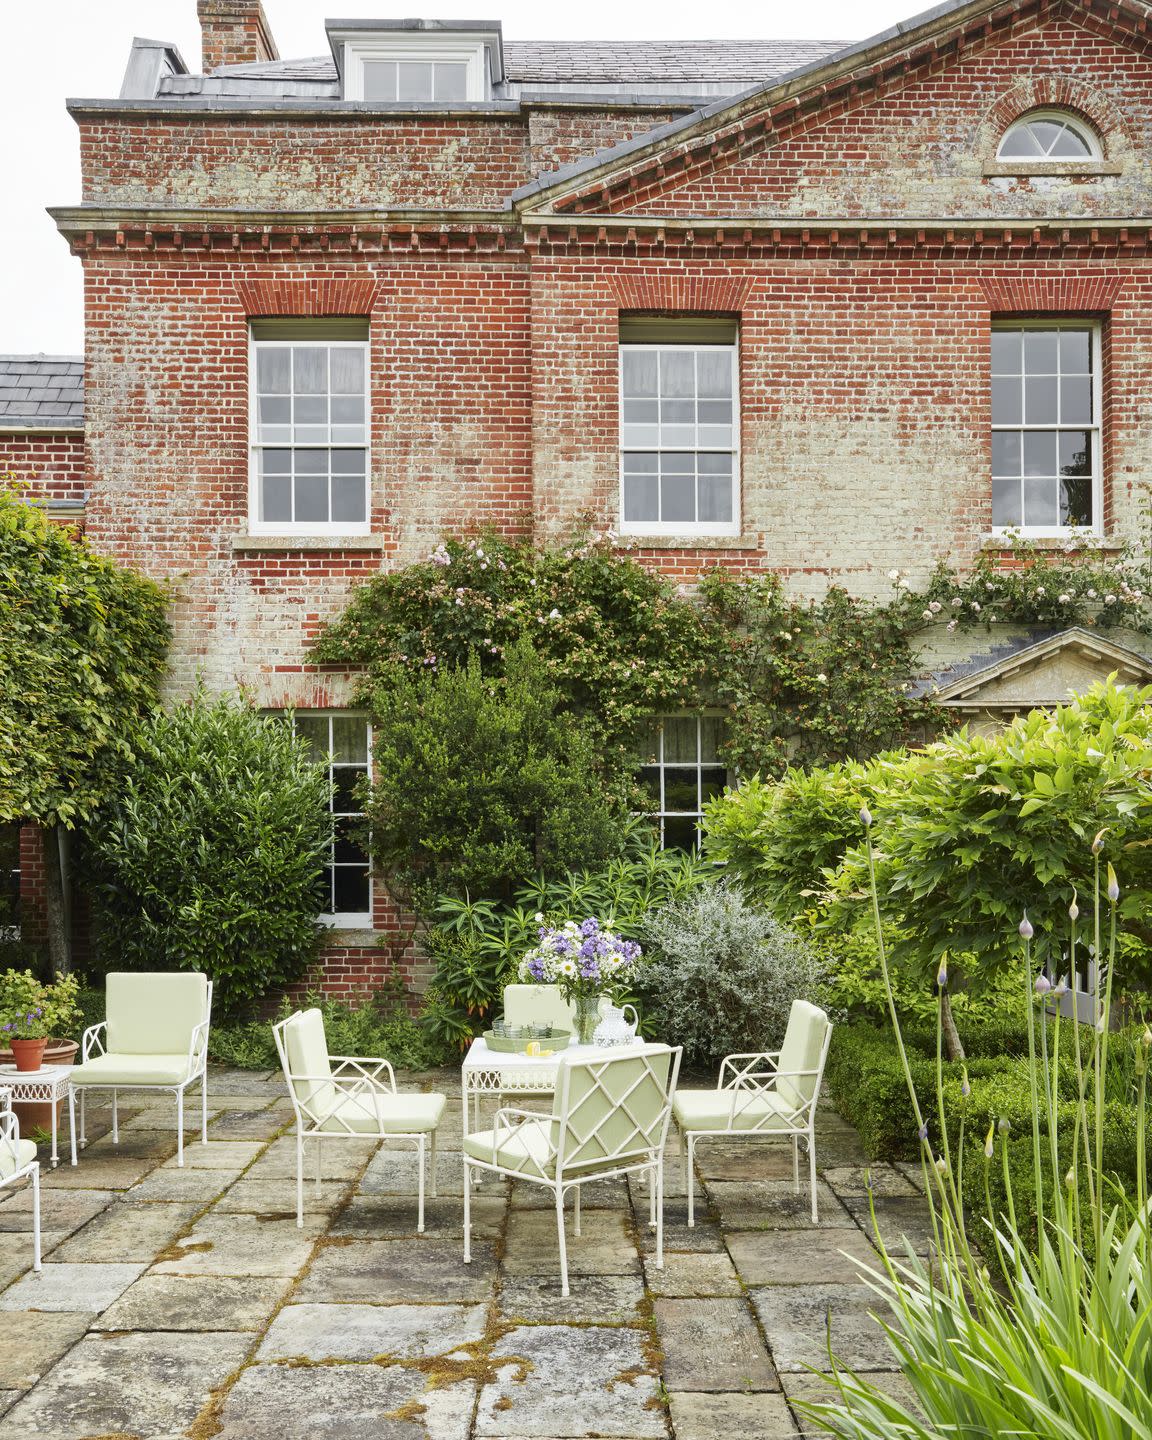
(587, 1009)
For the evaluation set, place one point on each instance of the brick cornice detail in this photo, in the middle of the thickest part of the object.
(334, 295)
(1056, 294)
(718, 294)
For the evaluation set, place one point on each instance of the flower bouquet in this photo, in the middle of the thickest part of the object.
(586, 961)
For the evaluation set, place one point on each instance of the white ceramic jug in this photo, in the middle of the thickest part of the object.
(614, 1029)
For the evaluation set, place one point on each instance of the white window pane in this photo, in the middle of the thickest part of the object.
(1076, 352)
(311, 410)
(714, 412)
(1047, 132)
(715, 498)
(677, 498)
(1020, 141)
(1006, 503)
(680, 739)
(276, 498)
(641, 497)
(347, 370)
(273, 370)
(1007, 352)
(715, 372)
(711, 736)
(678, 435)
(1069, 145)
(677, 412)
(310, 369)
(1007, 400)
(380, 80)
(314, 730)
(350, 739)
(640, 437)
(413, 80)
(1040, 502)
(311, 494)
(1006, 452)
(715, 437)
(677, 373)
(1040, 453)
(275, 409)
(1040, 398)
(1041, 351)
(347, 410)
(451, 82)
(1076, 400)
(348, 498)
(640, 372)
(310, 434)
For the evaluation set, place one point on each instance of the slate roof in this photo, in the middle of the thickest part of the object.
(982, 660)
(42, 390)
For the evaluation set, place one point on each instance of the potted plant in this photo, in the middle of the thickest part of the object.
(32, 1015)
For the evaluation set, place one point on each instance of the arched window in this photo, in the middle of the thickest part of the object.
(1049, 135)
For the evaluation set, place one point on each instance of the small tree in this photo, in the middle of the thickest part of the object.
(478, 783)
(211, 856)
(82, 653)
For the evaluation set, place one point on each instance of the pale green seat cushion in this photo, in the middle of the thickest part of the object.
(716, 1110)
(615, 1105)
(25, 1153)
(537, 1005)
(307, 1055)
(526, 1149)
(803, 1041)
(129, 1070)
(373, 1112)
(153, 1014)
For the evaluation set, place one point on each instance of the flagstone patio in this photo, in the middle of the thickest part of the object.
(187, 1303)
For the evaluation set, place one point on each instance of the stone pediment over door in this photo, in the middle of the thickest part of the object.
(1041, 673)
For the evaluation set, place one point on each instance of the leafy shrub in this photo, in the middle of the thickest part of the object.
(380, 1027)
(48, 1010)
(722, 976)
(477, 944)
(210, 857)
(476, 786)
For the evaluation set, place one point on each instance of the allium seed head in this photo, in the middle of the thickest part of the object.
(865, 816)
(1026, 931)
(1043, 984)
(1113, 886)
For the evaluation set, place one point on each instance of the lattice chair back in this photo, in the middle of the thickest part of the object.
(614, 1110)
(154, 1014)
(537, 1005)
(802, 1049)
(307, 1068)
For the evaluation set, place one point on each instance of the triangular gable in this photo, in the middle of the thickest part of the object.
(619, 180)
(1046, 673)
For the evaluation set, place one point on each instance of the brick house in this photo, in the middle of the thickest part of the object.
(828, 310)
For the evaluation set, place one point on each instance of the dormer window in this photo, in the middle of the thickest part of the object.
(1049, 135)
(418, 62)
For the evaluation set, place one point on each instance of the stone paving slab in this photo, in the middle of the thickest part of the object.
(596, 1299)
(186, 1184)
(143, 1384)
(254, 1124)
(858, 1180)
(901, 1220)
(388, 1217)
(367, 1332)
(344, 1402)
(712, 1345)
(129, 1232)
(379, 1271)
(723, 1417)
(219, 1155)
(704, 1236)
(195, 1302)
(813, 1388)
(394, 1172)
(774, 1205)
(104, 1172)
(16, 1252)
(799, 1257)
(224, 1080)
(69, 1286)
(242, 1245)
(561, 1381)
(341, 1159)
(699, 1273)
(266, 1197)
(753, 1160)
(603, 1248)
(795, 1319)
(34, 1344)
(64, 1210)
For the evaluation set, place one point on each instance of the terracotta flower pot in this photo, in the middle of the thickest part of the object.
(29, 1054)
(37, 1114)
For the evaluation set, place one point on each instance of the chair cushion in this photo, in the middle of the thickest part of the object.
(129, 1070)
(537, 1005)
(803, 1041)
(714, 1110)
(154, 1014)
(307, 1054)
(526, 1149)
(377, 1112)
(25, 1153)
(617, 1105)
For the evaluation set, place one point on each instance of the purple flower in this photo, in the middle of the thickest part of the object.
(923, 1132)
(589, 927)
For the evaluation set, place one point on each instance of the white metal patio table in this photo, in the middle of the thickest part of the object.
(48, 1085)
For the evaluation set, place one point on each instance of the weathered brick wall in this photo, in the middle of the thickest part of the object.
(49, 466)
(561, 136)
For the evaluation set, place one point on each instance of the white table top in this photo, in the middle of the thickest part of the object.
(480, 1057)
(9, 1075)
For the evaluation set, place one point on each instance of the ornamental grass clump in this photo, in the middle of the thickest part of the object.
(1000, 1337)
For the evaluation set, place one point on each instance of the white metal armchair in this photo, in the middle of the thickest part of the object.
(18, 1162)
(764, 1094)
(155, 1038)
(357, 1100)
(610, 1117)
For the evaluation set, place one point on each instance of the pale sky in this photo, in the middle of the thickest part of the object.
(58, 49)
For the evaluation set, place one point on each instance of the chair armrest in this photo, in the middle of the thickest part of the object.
(369, 1067)
(93, 1040)
(198, 1044)
(509, 1110)
(744, 1065)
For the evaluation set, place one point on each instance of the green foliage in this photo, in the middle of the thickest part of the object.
(478, 785)
(477, 944)
(722, 976)
(811, 682)
(616, 641)
(210, 857)
(381, 1028)
(30, 1009)
(82, 647)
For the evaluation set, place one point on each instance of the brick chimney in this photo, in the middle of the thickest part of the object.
(234, 32)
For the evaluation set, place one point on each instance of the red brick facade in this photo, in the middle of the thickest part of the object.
(854, 220)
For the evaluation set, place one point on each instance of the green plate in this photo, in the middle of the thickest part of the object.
(504, 1046)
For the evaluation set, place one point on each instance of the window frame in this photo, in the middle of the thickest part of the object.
(685, 528)
(473, 54)
(346, 919)
(1086, 132)
(256, 524)
(1096, 428)
(660, 815)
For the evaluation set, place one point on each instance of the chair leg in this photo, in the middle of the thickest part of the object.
(299, 1178)
(72, 1121)
(420, 1186)
(115, 1117)
(467, 1212)
(561, 1238)
(432, 1162)
(319, 1165)
(83, 1127)
(683, 1156)
(691, 1183)
(36, 1215)
(796, 1164)
(652, 1188)
(180, 1127)
(658, 1191)
(576, 1213)
(812, 1174)
(204, 1106)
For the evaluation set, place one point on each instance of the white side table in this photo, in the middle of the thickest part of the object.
(48, 1086)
